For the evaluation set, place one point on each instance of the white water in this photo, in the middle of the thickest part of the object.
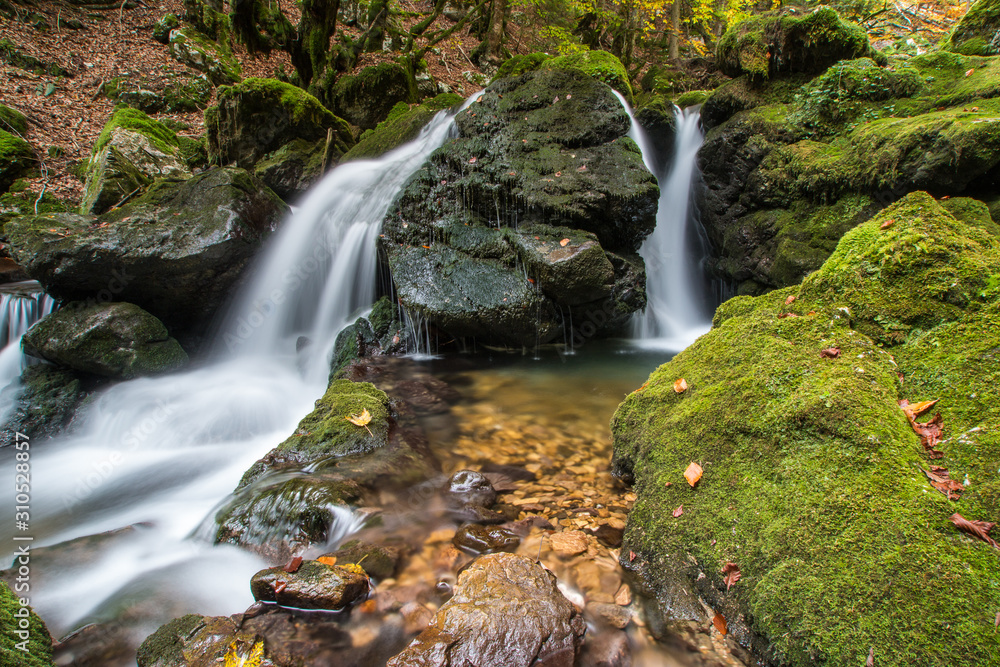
(166, 451)
(677, 309)
(21, 305)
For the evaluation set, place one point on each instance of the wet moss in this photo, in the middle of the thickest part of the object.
(17, 159)
(977, 33)
(402, 125)
(165, 646)
(971, 212)
(520, 64)
(365, 99)
(36, 649)
(601, 65)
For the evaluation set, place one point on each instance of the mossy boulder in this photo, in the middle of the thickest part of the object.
(115, 340)
(537, 206)
(278, 130)
(600, 65)
(26, 641)
(813, 482)
(314, 585)
(131, 151)
(978, 32)
(45, 400)
(12, 120)
(366, 98)
(176, 251)
(400, 127)
(192, 48)
(174, 94)
(162, 28)
(17, 159)
(520, 64)
(779, 42)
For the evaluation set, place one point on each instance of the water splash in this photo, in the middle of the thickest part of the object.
(21, 305)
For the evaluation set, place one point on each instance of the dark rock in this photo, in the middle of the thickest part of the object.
(400, 128)
(468, 487)
(177, 252)
(162, 28)
(197, 51)
(17, 159)
(365, 99)
(485, 539)
(506, 611)
(114, 340)
(660, 126)
(609, 536)
(47, 399)
(314, 585)
(377, 561)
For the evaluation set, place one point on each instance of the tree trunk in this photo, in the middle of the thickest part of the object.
(496, 33)
(316, 27)
(675, 19)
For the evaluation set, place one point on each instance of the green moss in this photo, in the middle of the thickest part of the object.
(601, 65)
(14, 56)
(17, 159)
(165, 646)
(12, 121)
(365, 99)
(519, 64)
(971, 212)
(978, 32)
(162, 28)
(132, 119)
(193, 151)
(262, 93)
(692, 98)
(195, 50)
(20, 201)
(402, 125)
(36, 650)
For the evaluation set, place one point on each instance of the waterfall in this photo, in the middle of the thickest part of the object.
(21, 305)
(160, 453)
(677, 301)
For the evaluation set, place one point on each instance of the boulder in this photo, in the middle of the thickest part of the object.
(377, 561)
(46, 399)
(537, 208)
(784, 42)
(506, 611)
(173, 94)
(192, 48)
(813, 487)
(314, 585)
(17, 159)
(114, 340)
(977, 33)
(485, 539)
(366, 98)
(163, 27)
(21, 200)
(131, 151)
(402, 125)
(12, 120)
(177, 251)
(36, 649)
(600, 65)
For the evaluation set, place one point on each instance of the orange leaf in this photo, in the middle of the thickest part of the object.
(279, 586)
(782, 316)
(327, 560)
(731, 574)
(940, 480)
(293, 565)
(830, 353)
(564, 242)
(680, 385)
(914, 410)
(887, 224)
(472, 160)
(978, 529)
(679, 511)
(969, 73)
(693, 474)
(790, 299)
(720, 624)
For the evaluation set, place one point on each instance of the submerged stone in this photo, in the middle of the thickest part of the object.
(313, 585)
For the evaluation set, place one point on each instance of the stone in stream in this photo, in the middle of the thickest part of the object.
(47, 399)
(314, 585)
(114, 340)
(376, 560)
(485, 539)
(506, 611)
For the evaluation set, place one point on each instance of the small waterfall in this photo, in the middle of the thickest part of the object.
(677, 300)
(21, 305)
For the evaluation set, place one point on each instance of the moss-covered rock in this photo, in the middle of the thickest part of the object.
(162, 28)
(17, 159)
(399, 128)
(600, 65)
(114, 340)
(495, 235)
(20, 200)
(366, 98)
(778, 42)
(978, 32)
(165, 647)
(13, 55)
(520, 64)
(191, 48)
(176, 251)
(46, 398)
(314, 585)
(26, 641)
(13, 121)
(175, 94)
(813, 484)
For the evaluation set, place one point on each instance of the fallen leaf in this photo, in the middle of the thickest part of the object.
(631, 556)
(887, 224)
(782, 316)
(293, 565)
(719, 621)
(945, 197)
(564, 242)
(870, 662)
(790, 300)
(916, 409)
(327, 560)
(830, 353)
(362, 420)
(555, 100)
(558, 174)
(996, 623)
(569, 96)
(693, 474)
(969, 73)
(251, 659)
(680, 385)
(582, 168)
(679, 511)
(667, 484)
(977, 528)
(940, 480)
(279, 586)
(472, 160)
(731, 574)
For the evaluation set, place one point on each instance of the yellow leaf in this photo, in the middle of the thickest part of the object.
(252, 659)
(693, 473)
(680, 385)
(362, 420)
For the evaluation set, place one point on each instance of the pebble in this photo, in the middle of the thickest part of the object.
(569, 543)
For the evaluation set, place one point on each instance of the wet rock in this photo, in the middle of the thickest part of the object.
(46, 398)
(607, 649)
(506, 611)
(377, 561)
(17, 159)
(468, 487)
(611, 614)
(400, 128)
(114, 340)
(176, 252)
(609, 536)
(314, 585)
(485, 539)
(416, 617)
(366, 98)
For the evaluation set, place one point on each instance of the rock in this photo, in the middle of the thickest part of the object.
(314, 585)
(163, 27)
(131, 152)
(506, 611)
(610, 614)
(827, 453)
(177, 251)
(468, 487)
(567, 173)
(977, 33)
(609, 535)
(13, 121)
(569, 543)
(190, 47)
(22, 624)
(774, 43)
(17, 159)
(174, 94)
(115, 340)
(485, 539)
(608, 649)
(47, 397)
(660, 125)
(598, 64)
(21, 200)
(292, 169)
(256, 119)
(365, 99)
(400, 127)
(377, 561)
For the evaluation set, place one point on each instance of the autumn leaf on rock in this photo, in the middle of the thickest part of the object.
(940, 481)
(830, 353)
(887, 224)
(731, 574)
(693, 474)
(870, 662)
(719, 621)
(918, 409)
(327, 560)
(293, 565)
(279, 586)
(679, 511)
(252, 659)
(564, 242)
(976, 528)
(362, 420)
(680, 385)
(790, 299)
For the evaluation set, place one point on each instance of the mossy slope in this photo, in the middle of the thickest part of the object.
(812, 478)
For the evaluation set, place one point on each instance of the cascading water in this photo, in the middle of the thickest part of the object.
(677, 309)
(21, 305)
(160, 453)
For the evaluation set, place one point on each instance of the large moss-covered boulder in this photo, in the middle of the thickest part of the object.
(131, 151)
(978, 32)
(176, 252)
(215, 59)
(12, 120)
(114, 340)
(402, 125)
(173, 94)
(366, 98)
(537, 208)
(813, 484)
(600, 65)
(778, 42)
(17, 159)
(25, 641)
